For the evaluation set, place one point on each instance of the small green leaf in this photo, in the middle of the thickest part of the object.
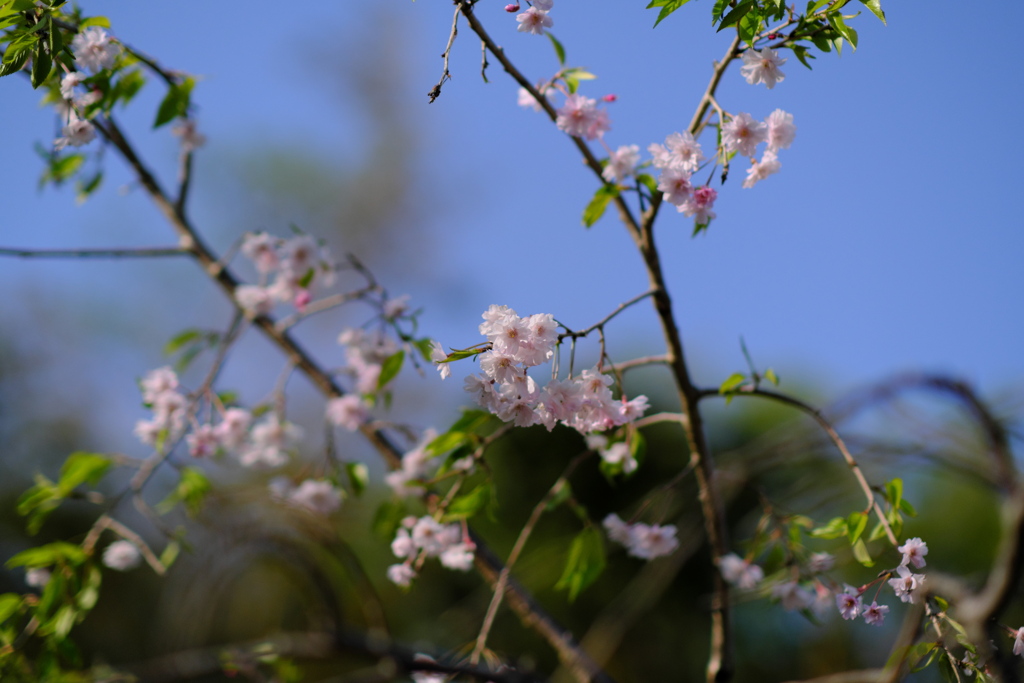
(749, 26)
(649, 182)
(585, 563)
(834, 529)
(835, 19)
(358, 476)
(9, 604)
(447, 441)
(562, 494)
(81, 468)
(468, 504)
(894, 492)
(175, 103)
(170, 553)
(667, 8)
(391, 367)
(855, 525)
(803, 54)
(86, 188)
(48, 555)
(876, 8)
(860, 552)
(191, 491)
(908, 508)
(559, 49)
(41, 65)
(736, 14)
(14, 61)
(731, 383)
(718, 10)
(90, 593)
(596, 208)
(94, 21)
(770, 375)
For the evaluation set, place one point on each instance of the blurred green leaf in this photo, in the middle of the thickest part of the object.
(175, 103)
(597, 205)
(585, 563)
(860, 552)
(390, 369)
(559, 49)
(467, 505)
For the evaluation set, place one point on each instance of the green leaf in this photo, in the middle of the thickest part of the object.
(90, 593)
(718, 10)
(667, 8)
(388, 518)
(638, 446)
(585, 563)
(731, 383)
(358, 476)
(81, 468)
(908, 508)
(175, 102)
(803, 54)
(860, 552)
(834, 529)
(835, 19)
(894, 492)
(876, 8)
(770, 375)
(127, 86)
(94, 21)
(736, 14)
(86, 188)
(48, 555)
(14, 60)
(42, 64)
(9, 604)
(62, 622)
(649, 182)
(468, 504)
(877, 532)
(855, 525)
(391, 367)
(464, 353)
(595, 209)
(748, 26)
(447, 441)
(559, 49)
(170, 553)
(191, 491)
(562, 494)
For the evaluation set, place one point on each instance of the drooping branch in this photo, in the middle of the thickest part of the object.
(114, 253)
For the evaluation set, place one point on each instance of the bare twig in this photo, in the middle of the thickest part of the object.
(435, 92)
(132, 252)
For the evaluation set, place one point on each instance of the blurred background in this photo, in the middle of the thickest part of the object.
(889, 242)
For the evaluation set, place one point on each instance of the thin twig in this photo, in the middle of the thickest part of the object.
(604, 321)
(122, 252)
(435, 92)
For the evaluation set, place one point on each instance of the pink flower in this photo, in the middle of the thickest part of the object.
(849, 603)
(762, 67)
(401, 575)
(94, 50)
(905, 585)
(1018, 642)
(534, 21)
(68, 83)
(203, 442)
(781, 130)
(348, 411)
(621, 164)
(699, 205)
(742, 134)
(512, 8)
(739, 572)
(580, 117)
(76, 133)
(650, 541)
(914, 551)
(792, 596)
(674, 182)
(317, 496)
(760, 170)
(680, 149)
(875, 614)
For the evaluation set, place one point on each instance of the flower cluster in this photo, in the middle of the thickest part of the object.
(739, 572)
(851, 606)
(742, 134)
(762, 66)
(535, 19)
(678, 159)
(295, 264)
(584, 402)
(160, 394)
(617, 457)
(318, 496)
(427, 537)
(646, 541)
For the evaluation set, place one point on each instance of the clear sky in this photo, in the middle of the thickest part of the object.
(891, 240)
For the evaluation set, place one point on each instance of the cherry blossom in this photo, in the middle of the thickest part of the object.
(94, 50)
(69, 82)
(680, 149)
(122, 555)
(580, 117)
(438, 356)
(820, 562)
(1018, 642)
(270, 442)
(758, 171)
(792, 596)
(914, 551)
(618, 454)
(874, 614)
(262, 249)
(674, 182)
(699, 205)
(316, 495)
(905, 585)
(849, 603)
(75, 133)
(645, 541)
(534, 21)
(203, 442)
(781, 131)
(348, 411)
(37, 577)
(622, 164)
(739, 572)
(762, 67)
(742, 134)
(401, 575)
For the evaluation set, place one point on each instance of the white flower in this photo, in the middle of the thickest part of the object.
(262, 249)
(76, 133)
(618, 454)
(401, 574)
(403, 546)
(742, 134)
(792, 596)
(122, 556)
(458, 556)
(271, 440)
(914, 551)
(621, 164)
(527, 101)
(348, 411)
(534, 21)
(233, 427)
(203, 442)
(820, 562)
(617, 529)
(739, 572)
(69, 82)
(1018, 642)
(674, 182)
(37, 577)
(94, 50)
(781, 131)
(760, 170)
(580, 117)
(317, 496)
(650, 541)
(905, 585)
(438, 355)
(762, 67)
(254, 300)
(681, 149)
(396, 307)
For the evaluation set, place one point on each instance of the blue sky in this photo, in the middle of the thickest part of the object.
(890, 240)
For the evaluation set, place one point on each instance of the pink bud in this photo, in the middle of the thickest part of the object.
(302, 299)
(610, 98)
(512, 7)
